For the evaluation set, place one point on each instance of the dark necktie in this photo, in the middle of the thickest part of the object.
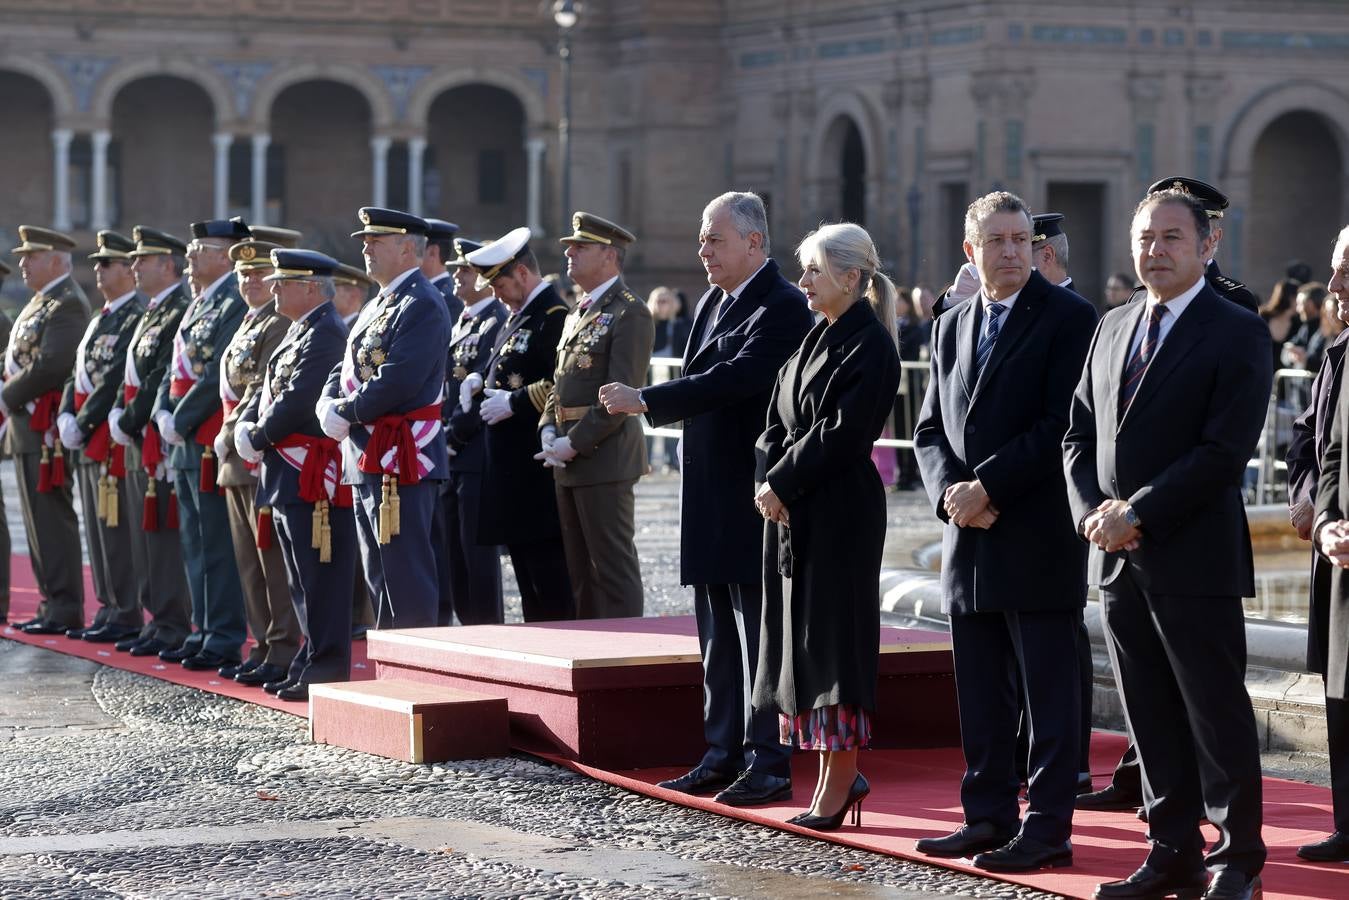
(992, 328)
(1138, 362)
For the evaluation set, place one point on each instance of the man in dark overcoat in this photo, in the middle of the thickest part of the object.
(1013, 571)
(746, 326)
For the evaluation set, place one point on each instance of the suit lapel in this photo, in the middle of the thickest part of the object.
(1119, 353)
(1188, 331)
(1026, 309)
(968, 317)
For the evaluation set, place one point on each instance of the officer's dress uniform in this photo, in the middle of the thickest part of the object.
(607, 338)
(39, 359)
(301, 474)
(89, 394)
(474, 568)
(151, 510)
(191, 394)
(262, 568)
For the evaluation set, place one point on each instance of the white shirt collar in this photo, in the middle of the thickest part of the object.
(479, 306)
(397, 282)
(118, 303)
(538, 289)
(1177, 305)
(1007, 303)
(47, 289)
(439, 278)
(215, 285)
(159, 298)
(1065, 282)
(599, 291)
(735, 294)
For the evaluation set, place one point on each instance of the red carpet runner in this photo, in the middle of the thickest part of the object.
(915, 793)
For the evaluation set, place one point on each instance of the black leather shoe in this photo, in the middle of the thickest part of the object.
(754, 789)
(178, 654)
(109, 634)
(1023, 854)
(43, 627)
(275, 687)
(700, 782)
(1109, 798)
(358, 633)
(1148, 883)
(126, 643)
(206, 660)
(1084, 784)
(77, 633)
(1230, 884)
(235, 669)
(20, 626)
(150, 647)
(261, 675)
(967, 840)
(294, 692)
(1333, 849)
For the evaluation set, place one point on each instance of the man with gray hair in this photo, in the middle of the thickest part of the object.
(746, 326)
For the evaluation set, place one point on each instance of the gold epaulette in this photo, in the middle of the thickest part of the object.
(538, 393)
(630, 296)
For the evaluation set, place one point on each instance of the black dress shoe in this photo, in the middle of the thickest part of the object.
(178, 654)
(1109, 798)
(967, 840)
(700, 782)
(235, 669)
(294, 692)
(1231, 884)
(77, 633)
(206, 660)
(43, 627)
(109, 634)
(1333, 849)
(127, 643)
(276, 687)
(755, 789)
(150, 647)
(1084, 783)
(1148, 883)
(1023, 854)
(358, 634)
(20, 626)
(260, 675)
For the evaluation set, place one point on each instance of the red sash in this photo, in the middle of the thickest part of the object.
(320, 452)
(99, 446)
(394, 431)
(44, 412)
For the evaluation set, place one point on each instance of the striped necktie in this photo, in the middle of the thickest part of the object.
(992, 326)
(1138, 361)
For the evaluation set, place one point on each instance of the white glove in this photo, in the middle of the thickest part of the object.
(244, 444)
(557, 454)
(221, 444)
(69, 429)
(966, 285)
(497, 407)
(115, 427)
(547, 436)
(333, 425)
(470, 386)
(164, 419)
(451, 451)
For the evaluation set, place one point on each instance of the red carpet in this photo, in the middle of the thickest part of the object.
(915, 793)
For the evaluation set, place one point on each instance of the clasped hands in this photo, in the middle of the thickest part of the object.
(770, 506)
(1106, 527)
(967, 505)
(1332, 540)
(557, 451)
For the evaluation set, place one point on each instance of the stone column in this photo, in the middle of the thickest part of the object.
(379, 176)
(260, 144)
(416, 151)
(98, 179)
(222, 143)
(61, 139)
(534, 149)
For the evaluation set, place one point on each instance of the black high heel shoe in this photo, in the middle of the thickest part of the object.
(856, 794)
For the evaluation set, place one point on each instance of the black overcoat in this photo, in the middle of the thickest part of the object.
(1328, 621)
(820, 641)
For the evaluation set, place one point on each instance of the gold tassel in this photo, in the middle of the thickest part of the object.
(112, 515)
(395, 514)
(385, 523)
(316, 525)
(101, 504)
(326, 544)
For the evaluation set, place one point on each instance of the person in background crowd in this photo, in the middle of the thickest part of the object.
(672, 337)
(819, 647)
(913, 330)
(1298, 272)
(1280, 315)
(1118, 289)
(1307, 347)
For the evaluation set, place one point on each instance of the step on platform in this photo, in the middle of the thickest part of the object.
(408, 720)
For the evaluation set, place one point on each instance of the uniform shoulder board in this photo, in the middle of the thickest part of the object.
(630, 297)
(1227, 285)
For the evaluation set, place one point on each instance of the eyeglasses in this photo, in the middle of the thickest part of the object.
(198, 247)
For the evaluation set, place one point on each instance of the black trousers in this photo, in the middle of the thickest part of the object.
(739, 737)
(1337, 728)
(473, 571)
(545, 587)
(1180, 663)
(1085, 680)
(997, 655)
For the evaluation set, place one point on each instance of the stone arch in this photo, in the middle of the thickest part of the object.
(30, 119)
(381, 104)
(111, 85)
(527, 93)
(839, 111)
(1257, 113)
(58, 89)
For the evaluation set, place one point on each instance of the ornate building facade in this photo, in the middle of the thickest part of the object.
(894, 114)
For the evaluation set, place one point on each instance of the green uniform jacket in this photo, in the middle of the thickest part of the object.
(43, 343)
(105, 363)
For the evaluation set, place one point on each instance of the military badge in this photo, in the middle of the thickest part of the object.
(367, 373)
(584, 361)
(460, 373)
(516, 381)
(377, 357)
(248, 252)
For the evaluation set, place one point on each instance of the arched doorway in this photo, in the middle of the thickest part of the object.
(1296, 185)
(25, 154)
(844, 163)
(160, 158)
(320, 153)
(475, 167)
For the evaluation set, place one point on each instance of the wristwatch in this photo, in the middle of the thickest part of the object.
(1131, 518)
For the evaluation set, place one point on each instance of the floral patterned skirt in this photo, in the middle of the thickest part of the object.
(842, 726)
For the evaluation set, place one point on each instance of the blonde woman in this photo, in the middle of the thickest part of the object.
(824, 507)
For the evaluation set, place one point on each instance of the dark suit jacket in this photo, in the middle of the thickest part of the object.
(1005, 427)
(150, 350)
(469, 352)
(1179, 456)
(722, 398)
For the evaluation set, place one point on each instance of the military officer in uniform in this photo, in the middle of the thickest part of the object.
(436, 260)
(100, 465)
(474, 569)
(38, 361)
(596, 457)
(383, 404)
(151, 509)
(519, 504)
(301, 469)
(188, 414)
(262, 569)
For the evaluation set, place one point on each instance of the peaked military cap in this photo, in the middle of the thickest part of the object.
(377, 220)
(153, 242)
(290, 264)
(235, 229)
(440, 230)
(36, 240)
(462, 248)
(591, 229)
(252, 254)
(346, 274)
(1214, 200)
(271, 234)
(1046, 226)
(492, 258)
(112, 245)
